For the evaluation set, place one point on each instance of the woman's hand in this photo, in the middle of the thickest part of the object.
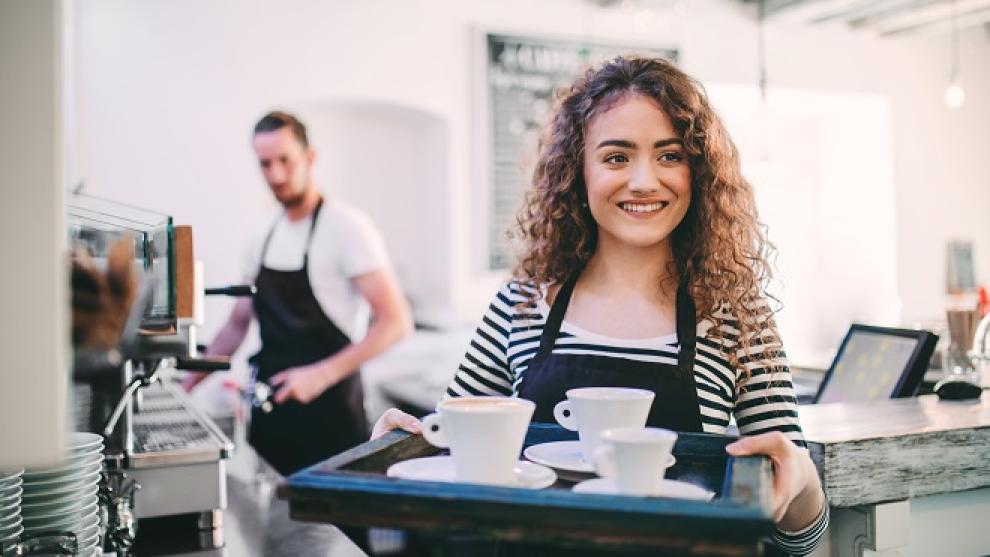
(393, 418)
(797, 493)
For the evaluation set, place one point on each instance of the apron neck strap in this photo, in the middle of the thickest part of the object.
(686, 323)
(309, 237)
(556, 317)
(687, 328)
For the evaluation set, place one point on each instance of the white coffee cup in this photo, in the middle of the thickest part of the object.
(635, 457)
(485, 435)
(589, 411)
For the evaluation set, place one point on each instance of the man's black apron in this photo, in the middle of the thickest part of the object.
(296, 332)
(549, 376)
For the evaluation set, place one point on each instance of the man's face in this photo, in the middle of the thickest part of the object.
(285, 164)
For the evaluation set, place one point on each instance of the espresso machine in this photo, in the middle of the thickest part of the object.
(164, 458)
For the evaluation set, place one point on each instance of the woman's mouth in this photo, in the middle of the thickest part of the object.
(643, 208)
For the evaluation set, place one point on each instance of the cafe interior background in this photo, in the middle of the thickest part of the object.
(864, 167)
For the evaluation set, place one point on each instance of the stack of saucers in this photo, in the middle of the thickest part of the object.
(10, 506)
(63, 498)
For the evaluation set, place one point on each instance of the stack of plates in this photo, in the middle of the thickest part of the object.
(10, 506)
(63, 498)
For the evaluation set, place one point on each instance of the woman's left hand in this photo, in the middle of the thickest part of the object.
(797, 492)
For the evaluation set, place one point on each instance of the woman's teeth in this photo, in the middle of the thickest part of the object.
(643, 208)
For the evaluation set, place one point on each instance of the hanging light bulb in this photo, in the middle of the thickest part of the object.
(763, 114)
(955, 95)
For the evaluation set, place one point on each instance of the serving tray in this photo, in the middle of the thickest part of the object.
(351, 489)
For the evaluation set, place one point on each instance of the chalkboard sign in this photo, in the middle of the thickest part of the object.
(522, 75)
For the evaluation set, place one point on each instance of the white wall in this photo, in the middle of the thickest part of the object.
(827, 197)
(168, 92)
(35, 335)
(390, 161)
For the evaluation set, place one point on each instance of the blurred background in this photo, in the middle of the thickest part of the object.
(862, 170)
(864, 127)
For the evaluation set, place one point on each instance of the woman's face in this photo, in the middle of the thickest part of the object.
(636, 172)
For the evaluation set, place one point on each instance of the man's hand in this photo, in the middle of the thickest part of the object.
(192, 379)
(797, 492)
(303, 383)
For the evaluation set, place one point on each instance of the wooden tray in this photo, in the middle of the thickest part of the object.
(352, 489)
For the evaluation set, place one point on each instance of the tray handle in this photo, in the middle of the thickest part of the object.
(749, 482)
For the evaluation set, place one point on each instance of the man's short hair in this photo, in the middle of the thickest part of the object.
(277, 120)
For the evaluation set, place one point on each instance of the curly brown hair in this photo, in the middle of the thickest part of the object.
(720, 248)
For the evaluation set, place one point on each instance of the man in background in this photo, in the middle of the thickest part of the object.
(318, 270)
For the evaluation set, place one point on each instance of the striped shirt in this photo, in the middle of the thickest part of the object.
(509, 337)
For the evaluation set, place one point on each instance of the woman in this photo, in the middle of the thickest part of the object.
(645, 267)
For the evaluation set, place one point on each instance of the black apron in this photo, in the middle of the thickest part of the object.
(549, 376)
(296, 332)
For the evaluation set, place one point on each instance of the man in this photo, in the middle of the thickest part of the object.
(318, 268)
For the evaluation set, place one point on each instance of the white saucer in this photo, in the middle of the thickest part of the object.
(668, 488)
(565, 455)
(83, 442)
(63, 469)
(441, 469)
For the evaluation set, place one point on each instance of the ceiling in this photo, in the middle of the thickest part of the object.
(888, 18)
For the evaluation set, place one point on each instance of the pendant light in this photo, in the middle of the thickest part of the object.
(955, 95)
(763, 114)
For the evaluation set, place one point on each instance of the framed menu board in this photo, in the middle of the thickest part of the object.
(522, 74)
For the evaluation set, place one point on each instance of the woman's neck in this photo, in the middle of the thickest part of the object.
(625, 292)
(620, 267)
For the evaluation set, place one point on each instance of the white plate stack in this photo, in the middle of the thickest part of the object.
(10, 506)
(63, 498)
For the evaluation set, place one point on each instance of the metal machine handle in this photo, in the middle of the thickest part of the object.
(237, 291)
(203, 363)
(134, 385)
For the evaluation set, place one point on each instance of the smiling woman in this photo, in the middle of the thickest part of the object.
(645, 268)
(637, 176)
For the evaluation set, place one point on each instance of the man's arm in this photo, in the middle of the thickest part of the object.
(228, 340)
(392, 322)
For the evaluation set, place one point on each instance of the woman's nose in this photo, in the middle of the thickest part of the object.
(644, 178)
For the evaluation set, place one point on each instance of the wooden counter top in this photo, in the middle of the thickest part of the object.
(899, 449)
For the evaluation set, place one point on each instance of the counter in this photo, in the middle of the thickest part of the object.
(904, 476)
(255, 522)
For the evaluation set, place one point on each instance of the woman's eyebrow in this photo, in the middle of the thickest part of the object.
(666, 142)
(626, 144)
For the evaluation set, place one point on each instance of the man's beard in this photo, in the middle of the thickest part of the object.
(293, 201)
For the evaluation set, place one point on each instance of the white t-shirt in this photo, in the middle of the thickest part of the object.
(346, 244)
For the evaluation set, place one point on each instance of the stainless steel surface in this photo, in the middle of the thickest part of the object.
(169, 429)
(180, 489)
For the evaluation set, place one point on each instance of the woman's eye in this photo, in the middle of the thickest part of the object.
(671, 157)
(616, 158)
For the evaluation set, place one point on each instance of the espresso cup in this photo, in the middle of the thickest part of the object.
(592, 410)
(635, 457)
(484, 434)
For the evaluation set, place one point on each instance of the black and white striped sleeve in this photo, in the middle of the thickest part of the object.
(806, 540)
(765, 401)
(484, 369)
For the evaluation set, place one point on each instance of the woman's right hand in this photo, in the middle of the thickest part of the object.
(393, 418)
